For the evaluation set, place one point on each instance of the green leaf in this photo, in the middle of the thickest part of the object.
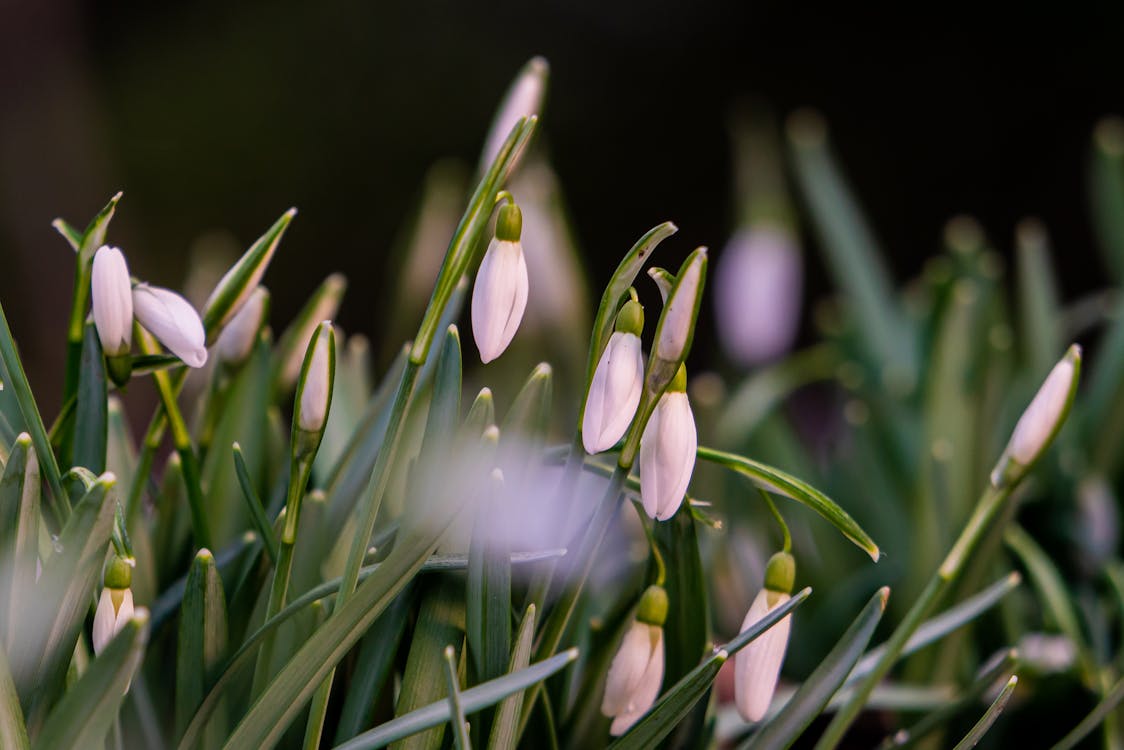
(980, 729)
(19, 539)
(456, 709)
(488, 590)
(473, 699)
(239, 282)
(505, 727)
(84, 715)
(202, 643)
(91, 414)
(1107, 192)
(1099, 713)
(677, 702)
(72, 236)
(1040, 313)
(687, 629)
(445, 403)
(481, 415)
(291, 346)
(253, 503)
(776, 481)
(13, 733)
(815, 692)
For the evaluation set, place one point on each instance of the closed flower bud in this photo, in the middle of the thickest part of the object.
(499, 296)
(618, 381)
(677, 324)
(316, 381)
(758, 665)
(757, 294)
(115, 606)
(635, 676)
(173, 321)
(112, 296)
(667, 452)
(238, 337)
(523, 99)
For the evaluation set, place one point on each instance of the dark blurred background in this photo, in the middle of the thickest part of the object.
(218, 116)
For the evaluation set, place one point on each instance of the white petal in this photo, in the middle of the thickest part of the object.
(124, 612)
(614, 393)
(171, 319)
(648, 688)
(317, 385)
(499, 298)
(105, 621)
(758, 294)
(758, 665)
(667, 455)
(523, 99)
(1038, 421)
(238, 336)
(627, 669)
(112, 298)
(675, 327)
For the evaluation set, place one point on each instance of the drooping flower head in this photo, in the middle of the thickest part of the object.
(173, 321)
(667, 451)
(758, 665)
(636, 673)
(112, 297)
(115, 606)
(618, 381)
(499, 296)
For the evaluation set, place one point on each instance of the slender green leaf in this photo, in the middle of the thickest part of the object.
(202, 643)
(505, 727)
(784, 728)
(677, 702)
(777, 481)
(473, 699)
(19, 538)
(13, 733)
(84, 715)
(1107, 192)
(1040, 311)
(687, 629)
(980, 729)
(253, 503)
(456, 710)
(72, 235)
(488, 590)
(91, 414)
(1099, 713)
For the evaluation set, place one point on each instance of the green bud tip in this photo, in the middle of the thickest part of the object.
(120, 368)
(780, 573)
(653, 606)
(679, 382)
(631, 318)
(119, 573)
(509, 223)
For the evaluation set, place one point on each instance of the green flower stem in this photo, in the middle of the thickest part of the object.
(17, 378)
(585, 556)
(151, 443)
(649, 532)
(780, 519)
(181, 440)
(990, 504)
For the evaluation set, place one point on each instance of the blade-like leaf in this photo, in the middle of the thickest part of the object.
(19, 538)
(505, 727)
(777, 481)
(202, 643)
(13, 733)
(253, 503)
(461, 740)
(91, 414)
(980, 729)
(1107, 705)
(1107, 192)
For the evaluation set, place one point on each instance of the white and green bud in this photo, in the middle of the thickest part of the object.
(667, 451)
(757, 667)
(617, 384)
(173, 321)
(239, 335)
(499, 296)
(112, 297)
(315, 383)
(1041, 421)
(115, 606)
(636, 673)
(677, 323)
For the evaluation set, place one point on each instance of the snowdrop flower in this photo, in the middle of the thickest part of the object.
(617, 383)
(112, 295)
(115, 607)
(677, 324)
(239, 335)
(667, 451)
(316, 380)
(636, 673)
(499, 295)
(758, 293)
(1041, 420)
(172, 320)
(758, 665)
(523, 99)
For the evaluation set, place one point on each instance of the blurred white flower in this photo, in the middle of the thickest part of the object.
(635, 676)
(614, 393)
(523, 99)
(499, 295)
(667, 453)
(112, 297)
(115, 608)
(238, 336)
(1041, 418)
(757, 294)
(758, 665)
(316, 390)
(173, 321)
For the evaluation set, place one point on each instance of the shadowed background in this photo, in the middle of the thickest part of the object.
(212, 116)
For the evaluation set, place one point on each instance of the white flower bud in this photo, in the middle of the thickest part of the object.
(676, 326)
(238, 337)
(1038, 423)
(499, 297)
(112, 296)
(614, 393)
(115, 608)
(667, 455)
(316, 387)
(523, 99)
(635, 676)
(757, 294)
(758, 665)
(173, 321)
